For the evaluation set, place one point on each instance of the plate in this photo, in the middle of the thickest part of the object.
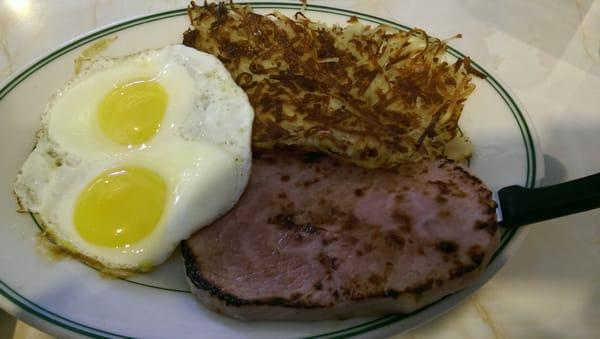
(66, 298)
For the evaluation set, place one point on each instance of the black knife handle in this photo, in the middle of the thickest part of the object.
(522, 206)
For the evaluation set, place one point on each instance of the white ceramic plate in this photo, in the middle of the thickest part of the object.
(67, 298)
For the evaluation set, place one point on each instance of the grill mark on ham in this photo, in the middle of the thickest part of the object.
(321, 250)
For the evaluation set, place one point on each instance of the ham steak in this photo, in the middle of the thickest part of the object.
(315, 238)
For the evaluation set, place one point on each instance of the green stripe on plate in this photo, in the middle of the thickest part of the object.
(51, 317)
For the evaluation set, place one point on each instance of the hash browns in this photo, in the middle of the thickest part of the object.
(376, 96)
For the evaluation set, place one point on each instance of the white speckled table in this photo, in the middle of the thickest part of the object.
(546, 51)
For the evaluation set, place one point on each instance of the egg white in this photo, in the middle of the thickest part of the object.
(202, 151)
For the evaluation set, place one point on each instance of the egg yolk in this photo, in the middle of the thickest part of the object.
(120, 207)
(131, 114)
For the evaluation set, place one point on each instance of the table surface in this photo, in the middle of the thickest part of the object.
(546, 51)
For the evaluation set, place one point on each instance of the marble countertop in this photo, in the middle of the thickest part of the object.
(546, 51)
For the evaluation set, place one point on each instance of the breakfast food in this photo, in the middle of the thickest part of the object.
(375, 96)
(314, 238)
(353, 208)
(135, 153)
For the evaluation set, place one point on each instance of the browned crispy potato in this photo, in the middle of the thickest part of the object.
(375, 96)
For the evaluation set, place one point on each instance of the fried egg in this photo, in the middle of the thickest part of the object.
(136, 153)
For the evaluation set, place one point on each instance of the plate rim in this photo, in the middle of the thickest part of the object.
(24, 309)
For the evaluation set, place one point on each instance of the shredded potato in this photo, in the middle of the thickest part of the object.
(376, 96)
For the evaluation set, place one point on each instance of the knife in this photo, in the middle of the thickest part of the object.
(518, 206)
